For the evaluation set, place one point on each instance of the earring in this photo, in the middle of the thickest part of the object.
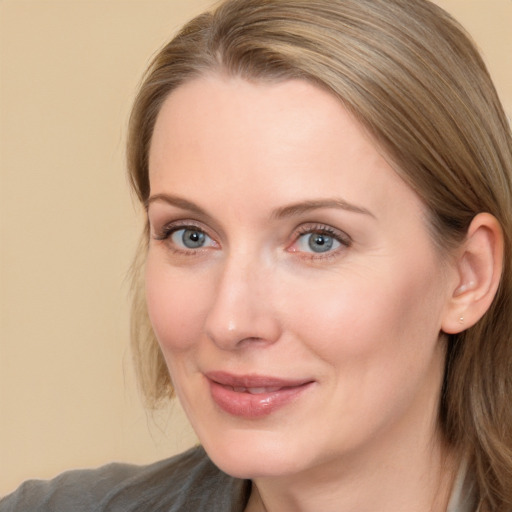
(461, 320)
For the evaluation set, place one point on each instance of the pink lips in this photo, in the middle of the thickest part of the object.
(253, 396)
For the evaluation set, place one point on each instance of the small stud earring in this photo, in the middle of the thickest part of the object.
(461, 320)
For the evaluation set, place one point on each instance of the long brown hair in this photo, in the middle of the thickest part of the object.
(411, 75)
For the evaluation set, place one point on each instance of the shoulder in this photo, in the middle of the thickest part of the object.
(187, 482)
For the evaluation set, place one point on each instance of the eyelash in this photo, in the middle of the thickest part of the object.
(339, 236)
(166, 232)
(168, 229)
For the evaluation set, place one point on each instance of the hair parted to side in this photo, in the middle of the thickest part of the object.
(413, 78)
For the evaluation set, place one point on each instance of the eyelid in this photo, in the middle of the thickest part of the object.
(159, 215)
(316, 227)
(167, 228)
(164, 234)
(309, 228)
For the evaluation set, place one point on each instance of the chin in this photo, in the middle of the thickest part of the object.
(259, 454)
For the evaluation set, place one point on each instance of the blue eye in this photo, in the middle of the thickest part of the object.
(191, 238)
(317, 242)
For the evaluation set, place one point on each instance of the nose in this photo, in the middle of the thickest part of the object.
(242, 309)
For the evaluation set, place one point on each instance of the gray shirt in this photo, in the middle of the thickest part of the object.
(189, 482)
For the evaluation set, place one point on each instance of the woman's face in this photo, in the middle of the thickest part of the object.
(291, 280)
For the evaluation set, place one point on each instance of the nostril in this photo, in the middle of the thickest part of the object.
(243, 333)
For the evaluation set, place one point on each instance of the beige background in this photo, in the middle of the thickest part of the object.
(68, 72)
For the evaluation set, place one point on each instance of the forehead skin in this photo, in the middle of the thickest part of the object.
(265, 137)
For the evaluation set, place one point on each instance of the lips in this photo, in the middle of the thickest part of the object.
(255, 391)
(253, 396)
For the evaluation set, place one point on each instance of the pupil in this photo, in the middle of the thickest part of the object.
(320, 243)
(193, 239)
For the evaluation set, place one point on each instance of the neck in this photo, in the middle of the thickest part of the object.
(412, 478)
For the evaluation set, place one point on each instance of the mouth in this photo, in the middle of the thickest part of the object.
(254, 391)
(253, 396)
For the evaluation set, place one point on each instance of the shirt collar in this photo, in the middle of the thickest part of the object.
(463, 497)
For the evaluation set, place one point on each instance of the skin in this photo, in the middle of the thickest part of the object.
(362, 320)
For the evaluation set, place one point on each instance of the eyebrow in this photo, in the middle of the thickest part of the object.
(179, 202)
(279, 213)
(307, 206)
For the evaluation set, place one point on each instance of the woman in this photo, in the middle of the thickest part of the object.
(325, 274)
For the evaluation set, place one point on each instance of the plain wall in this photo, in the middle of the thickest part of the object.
(68, 226)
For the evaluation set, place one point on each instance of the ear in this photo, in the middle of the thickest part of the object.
(478, 265)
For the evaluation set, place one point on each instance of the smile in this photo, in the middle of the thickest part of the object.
(255, 391)
(253, 396)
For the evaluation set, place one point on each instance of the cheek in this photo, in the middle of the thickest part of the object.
(372, 340)
(351, 317)
(177, 303)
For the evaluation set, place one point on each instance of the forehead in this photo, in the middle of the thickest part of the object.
(215, 106)
(216, 134)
